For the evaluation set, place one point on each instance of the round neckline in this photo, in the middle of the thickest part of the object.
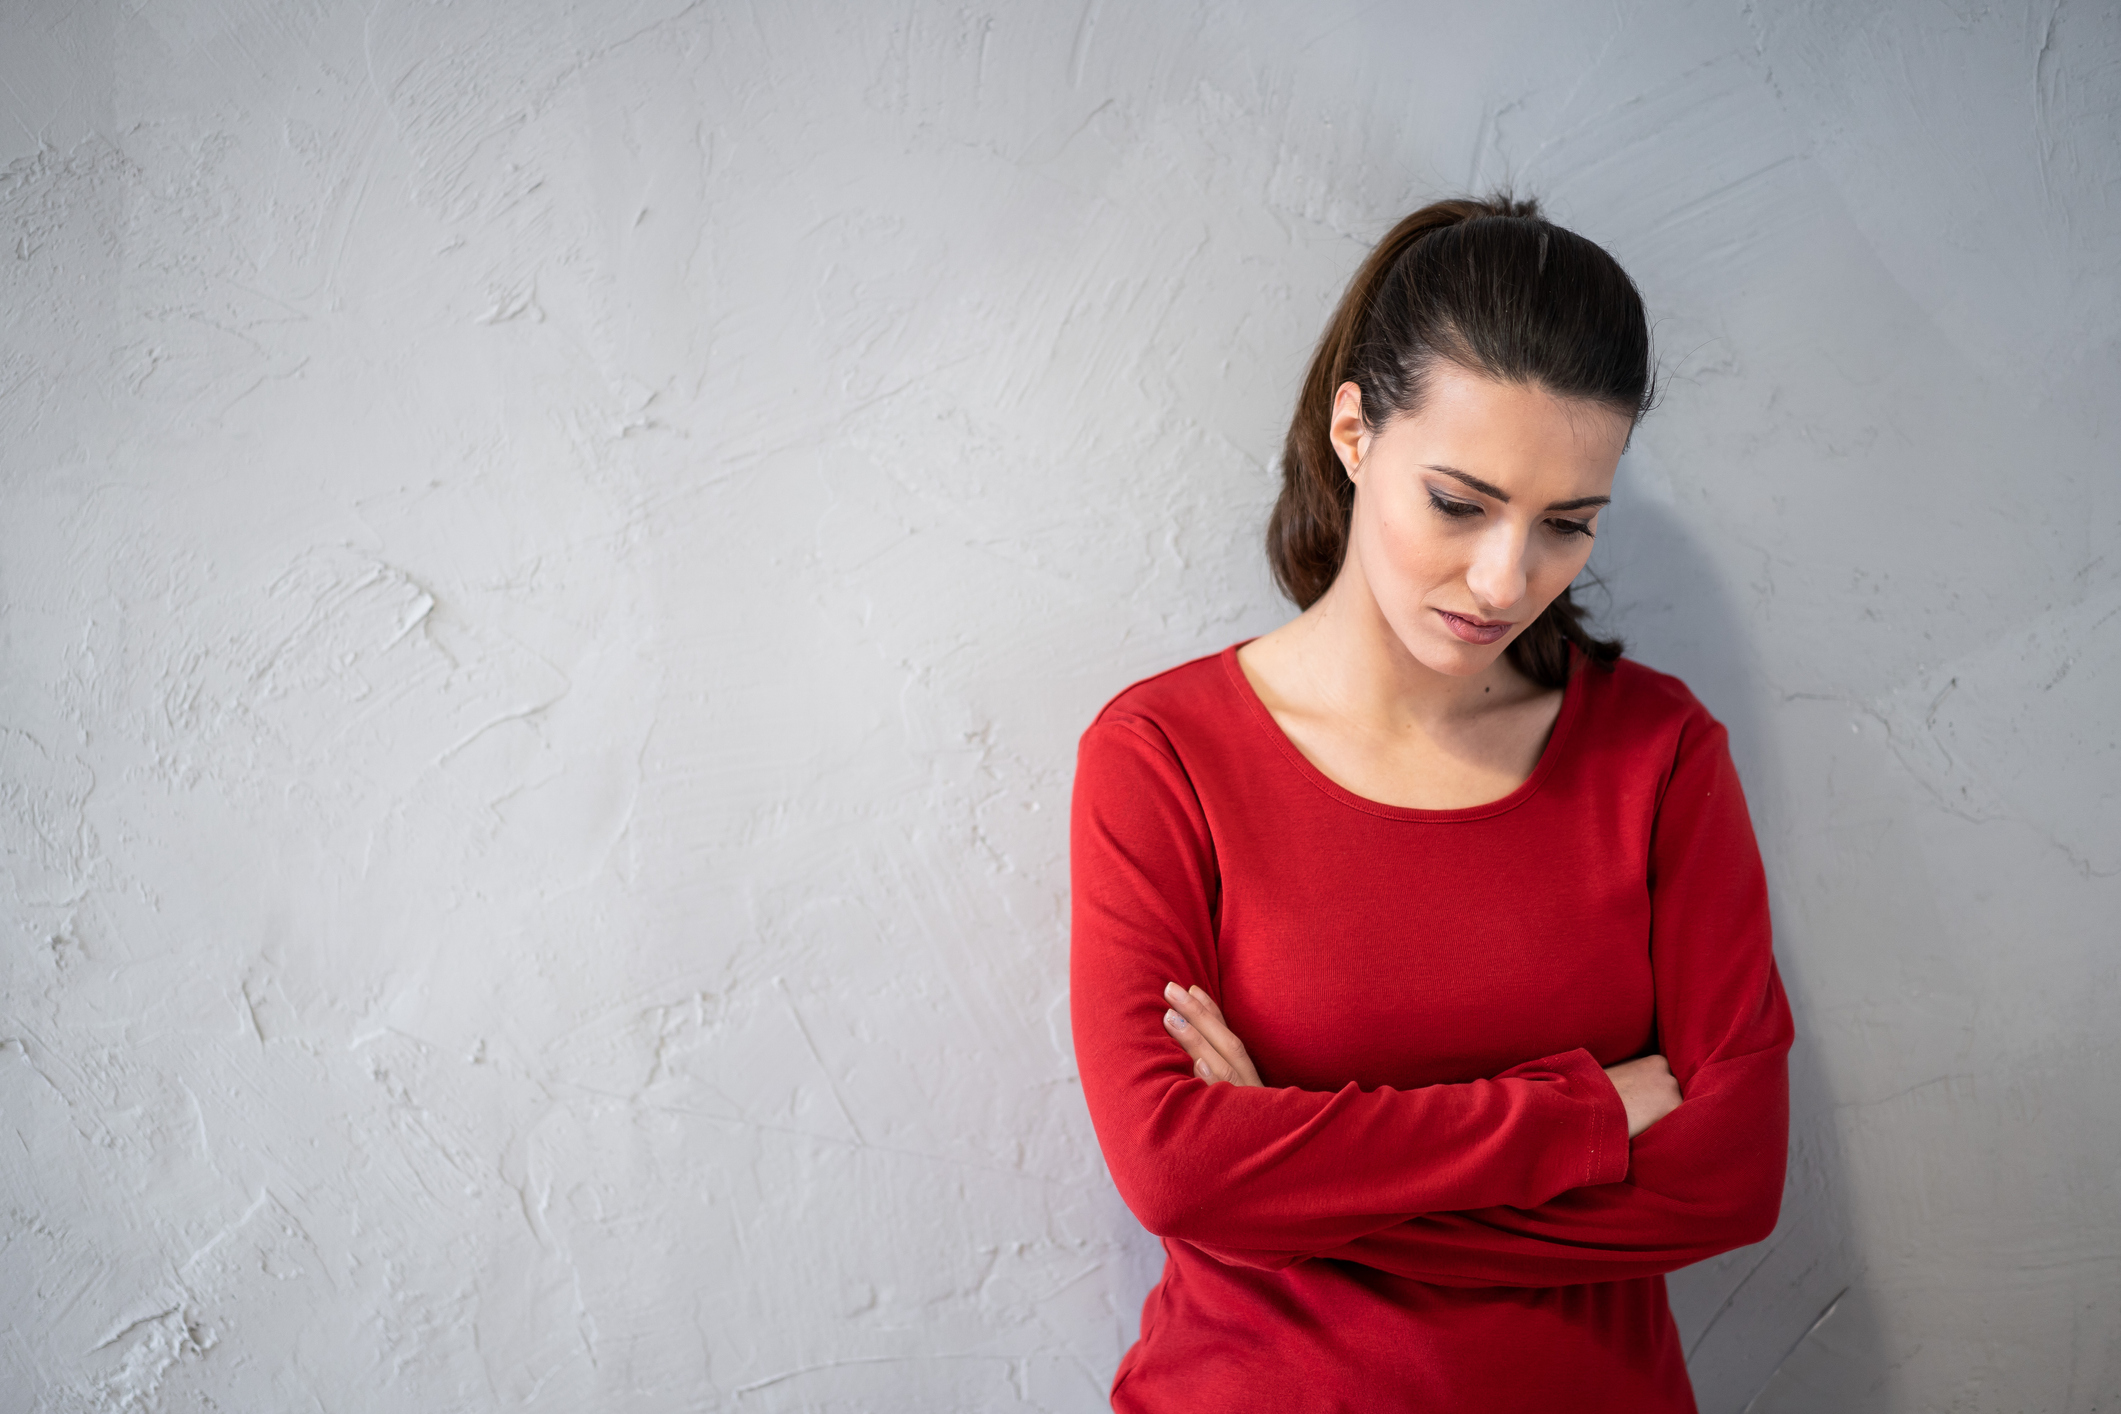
(1571, 701)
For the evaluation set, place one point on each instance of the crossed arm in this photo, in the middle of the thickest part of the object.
(1555, 1172)
(1645, 1085)
(1550, 1245)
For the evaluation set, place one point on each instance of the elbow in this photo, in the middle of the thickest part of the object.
(1758, 1224)
(1165, 1208)
(1764, 1208)
(1155, 1216)
(1170, 1211)
(1746, 1229)
(1168, 1183)
(1176, 1201)
(1750, 1220)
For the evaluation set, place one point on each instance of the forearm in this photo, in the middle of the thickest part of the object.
(1262, 1167)
(1584, 1236)
(1612, 1232)
(1704, 1180)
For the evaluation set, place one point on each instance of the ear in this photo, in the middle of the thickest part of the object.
(1350, 437)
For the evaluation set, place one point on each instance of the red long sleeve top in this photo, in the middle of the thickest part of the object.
(1432, 1203)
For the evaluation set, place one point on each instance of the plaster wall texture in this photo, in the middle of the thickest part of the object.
(554, 555)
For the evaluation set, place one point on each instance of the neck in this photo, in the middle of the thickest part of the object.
(1353, 659)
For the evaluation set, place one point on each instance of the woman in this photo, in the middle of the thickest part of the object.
(1422, 990)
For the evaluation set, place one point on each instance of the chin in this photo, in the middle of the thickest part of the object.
(1439, 652)
(1470, 662)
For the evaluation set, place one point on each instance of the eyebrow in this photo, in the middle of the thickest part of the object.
(1581, 503)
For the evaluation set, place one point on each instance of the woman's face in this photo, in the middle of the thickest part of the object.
(1473, 513)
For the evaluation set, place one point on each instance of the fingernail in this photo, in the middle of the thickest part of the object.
(1172, 992)
(1173, 1020)
(1200, 1068)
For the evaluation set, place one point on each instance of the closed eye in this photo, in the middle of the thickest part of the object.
(1570, 527)
(1455, 509)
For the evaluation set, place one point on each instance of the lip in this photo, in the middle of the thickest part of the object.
(1474, 630)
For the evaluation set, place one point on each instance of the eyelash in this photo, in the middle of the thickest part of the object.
(1459, 510)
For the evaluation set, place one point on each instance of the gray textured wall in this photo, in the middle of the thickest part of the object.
(552, 555)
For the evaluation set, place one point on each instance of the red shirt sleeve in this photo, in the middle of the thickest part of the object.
(1253, 1172)
(1706, 1178)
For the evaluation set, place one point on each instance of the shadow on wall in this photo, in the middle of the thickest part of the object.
(1775, 1328)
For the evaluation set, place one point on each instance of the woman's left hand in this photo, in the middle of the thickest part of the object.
(1197, 1024)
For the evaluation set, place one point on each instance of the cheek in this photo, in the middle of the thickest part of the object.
(1557, 569)
(1406, 539)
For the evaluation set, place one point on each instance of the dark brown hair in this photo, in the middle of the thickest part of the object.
(1496, 289)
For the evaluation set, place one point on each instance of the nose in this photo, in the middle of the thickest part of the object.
(1497, 574)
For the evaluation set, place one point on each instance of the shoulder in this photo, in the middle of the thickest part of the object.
(1647, 733)
(1167, 737)
(1642, 689)
(1174, 704)
(1636, 708)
